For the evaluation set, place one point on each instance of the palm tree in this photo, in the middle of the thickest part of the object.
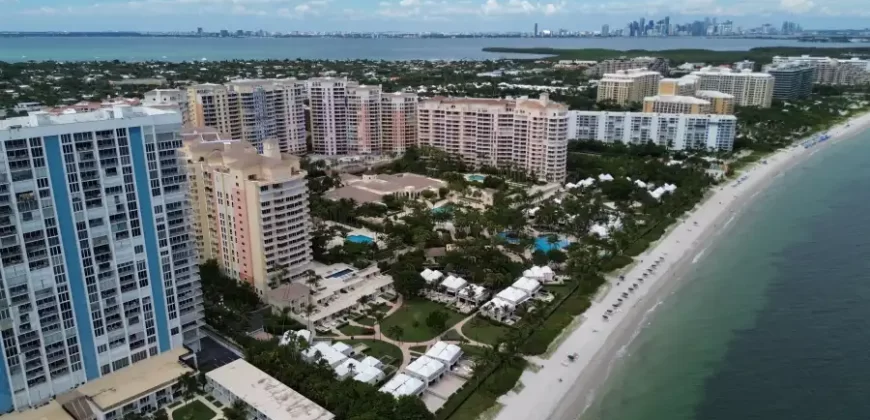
(396, 331)
(379, 316)
(237, 411)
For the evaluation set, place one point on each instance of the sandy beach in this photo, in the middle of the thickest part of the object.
(561, 390)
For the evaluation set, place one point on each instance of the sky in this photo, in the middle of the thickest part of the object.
(412, 15)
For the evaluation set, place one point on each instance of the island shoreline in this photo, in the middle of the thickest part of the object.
(562, 390)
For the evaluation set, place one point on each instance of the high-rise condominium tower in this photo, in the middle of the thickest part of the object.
(98, 269)
(250, 210)
(530, 135)
(253, 111)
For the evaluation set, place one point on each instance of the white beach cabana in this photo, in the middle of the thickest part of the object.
(453, 284)
(402, 384)
(446, 353)
(527, 285)
(426, 369)
(369, 374)
(343, 348)
(347, 368)
(373, 362)
(543, 274)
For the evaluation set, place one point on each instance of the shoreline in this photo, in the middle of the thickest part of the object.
(562, 390)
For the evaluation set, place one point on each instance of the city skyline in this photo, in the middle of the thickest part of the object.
(409, 15)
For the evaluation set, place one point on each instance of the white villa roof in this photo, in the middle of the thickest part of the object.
(327, 352)
(530, 286)
(448, 353)
(369, 374)
(431, 275)
(657, 193)
(454, 283)
(498, 302)
(425, 367)
(473, 291)
(538, 272)
(342, 348)
(344, 368)
(640, 183)
(512, 296)
(371, 361)
(402, 385)
(605, 177)
(599, 230)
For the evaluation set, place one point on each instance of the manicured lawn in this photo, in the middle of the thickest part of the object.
(379, 350)
(365, 320)
(353, 330)
(411, 317)
(196, 410)
(483, 330)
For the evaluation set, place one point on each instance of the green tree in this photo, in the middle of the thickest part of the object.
(237, 411)
(396, 331)
(437, 320)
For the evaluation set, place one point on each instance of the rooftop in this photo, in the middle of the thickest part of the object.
(52, 411)
(445, 352)
(286, 293)
(505, 104)
(205, 145)
(454, 283)
(131, 382)
(677, 99)
(265, 393)
(43, 119)
(713, 94)
(512, 295)
(425, 367)
(527, 285)
(402, 384)
(332, 356)
(372, 188)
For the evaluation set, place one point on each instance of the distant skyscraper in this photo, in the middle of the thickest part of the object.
(98, 263)
(199, 31)
(605, 30)
(642, 27)
(536, 29)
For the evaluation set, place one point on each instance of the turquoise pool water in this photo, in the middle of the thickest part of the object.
(542, 243)
(506, 236)
(443, 209)
(475, 177)
(360, 239)
(340, 273)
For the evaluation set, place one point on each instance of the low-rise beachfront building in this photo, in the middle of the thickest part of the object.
(676, 104)
(448, 354)
(473, 294)
(426, 369)
(323, 351)
(404, 385)
(360, 371)
(543, 274)
(265, 397)
(452, 285)
(431, 276)
(373, 188)
(527, 285)
(340, 290)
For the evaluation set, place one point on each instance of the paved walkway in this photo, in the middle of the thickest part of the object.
(405, 346)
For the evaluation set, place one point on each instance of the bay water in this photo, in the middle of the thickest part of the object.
(772, 322)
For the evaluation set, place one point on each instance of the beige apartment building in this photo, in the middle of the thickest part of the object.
(250, 210)
(398, 121)
(628, 86)
(747, 87)
(329, 115)
(253, 111)
(675, 104)
(684, 86)
(617, 64)
(526, 134)
(832, 71)
(720, 103)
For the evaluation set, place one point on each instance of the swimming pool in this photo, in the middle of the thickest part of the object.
(340, 273)
(508, 238)
(475, 177)
(542, 243)
(447, 208)
(360, 239)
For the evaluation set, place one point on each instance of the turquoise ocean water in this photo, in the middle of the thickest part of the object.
(773, 322)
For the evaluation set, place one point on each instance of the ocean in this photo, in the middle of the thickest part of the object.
(772, 322)
(216, 49)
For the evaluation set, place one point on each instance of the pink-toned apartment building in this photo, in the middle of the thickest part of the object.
(525, 134)
(398, 121)
(363, 119)
(250, 210)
